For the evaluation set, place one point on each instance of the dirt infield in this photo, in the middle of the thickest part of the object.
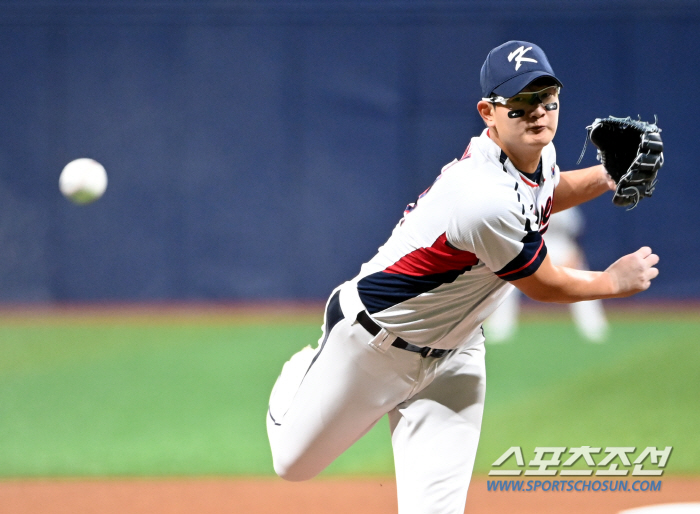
(281, 311)
(250, 496)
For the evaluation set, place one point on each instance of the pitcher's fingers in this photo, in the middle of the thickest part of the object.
(643, 252)
(652, 259)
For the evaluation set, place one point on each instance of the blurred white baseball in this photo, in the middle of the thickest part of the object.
(83, 181)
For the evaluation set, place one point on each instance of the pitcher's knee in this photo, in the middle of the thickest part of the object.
(293, 469)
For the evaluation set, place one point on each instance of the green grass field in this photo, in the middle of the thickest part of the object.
(115, 396)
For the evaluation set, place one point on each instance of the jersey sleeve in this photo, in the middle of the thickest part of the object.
(556, 175)
(550, 155)
(496, 228)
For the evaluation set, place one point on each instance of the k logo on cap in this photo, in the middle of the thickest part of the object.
(509, 68)
(519, 56)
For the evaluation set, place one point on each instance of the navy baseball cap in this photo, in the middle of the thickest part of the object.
(509, 68)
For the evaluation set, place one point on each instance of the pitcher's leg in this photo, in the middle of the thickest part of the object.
(435, 436)
(348, 387)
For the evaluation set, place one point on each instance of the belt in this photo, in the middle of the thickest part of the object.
(425, 351)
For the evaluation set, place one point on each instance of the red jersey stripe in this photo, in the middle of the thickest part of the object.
(467, 152)
(528, 181)
(438, 258)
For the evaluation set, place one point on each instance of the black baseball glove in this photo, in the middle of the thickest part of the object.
(631, 152)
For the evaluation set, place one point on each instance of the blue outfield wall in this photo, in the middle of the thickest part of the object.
(264, 150)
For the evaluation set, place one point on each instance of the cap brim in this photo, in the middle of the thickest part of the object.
(515, 85)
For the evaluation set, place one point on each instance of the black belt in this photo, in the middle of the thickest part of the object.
(425, 351)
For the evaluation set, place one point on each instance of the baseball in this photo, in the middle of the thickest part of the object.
(83, 181)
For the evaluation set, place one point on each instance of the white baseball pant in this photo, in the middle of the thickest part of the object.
(325, 399)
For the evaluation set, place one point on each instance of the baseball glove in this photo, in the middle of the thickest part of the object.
(631, 152)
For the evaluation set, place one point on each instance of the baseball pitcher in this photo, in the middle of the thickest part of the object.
(404, 336)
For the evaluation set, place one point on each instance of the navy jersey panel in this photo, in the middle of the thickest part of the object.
(416, 273)
(382, 290)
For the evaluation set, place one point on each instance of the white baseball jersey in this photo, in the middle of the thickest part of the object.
(448, 262)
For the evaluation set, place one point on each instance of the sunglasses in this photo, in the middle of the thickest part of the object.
(526, 99)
